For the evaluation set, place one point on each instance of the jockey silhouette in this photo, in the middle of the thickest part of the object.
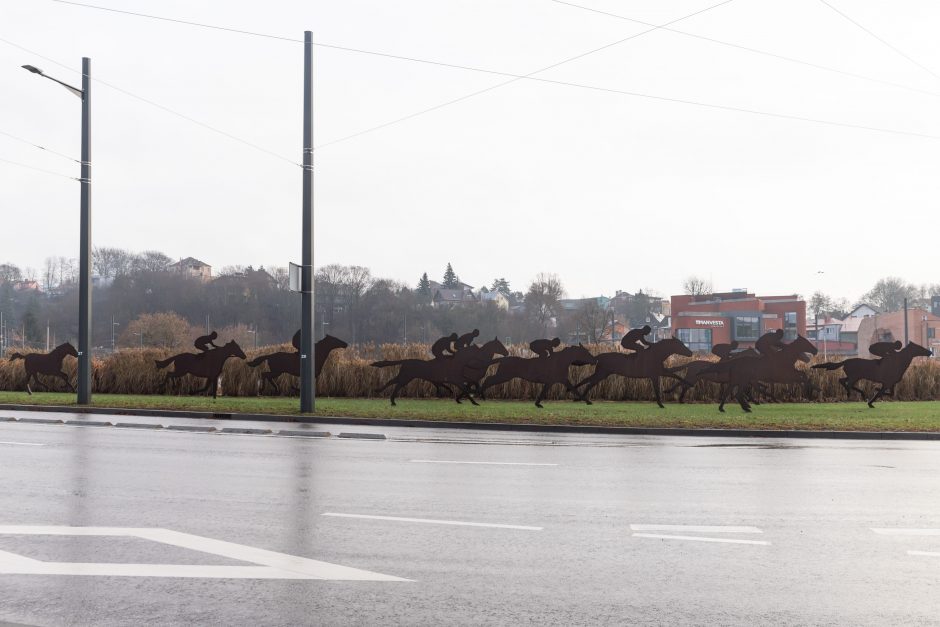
(443, 345)
(465, 340)
(723, 351)
(769, 343)
(204, 342)
(544, 348)
(634, 341)
(883, 349)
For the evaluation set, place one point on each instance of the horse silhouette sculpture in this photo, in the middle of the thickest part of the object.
(887, 372)
(285, 362)
(206, 365)
(548, 371)
(647, 363)
(747, 373)
(695, 372)
(46, 363)
(462, 370)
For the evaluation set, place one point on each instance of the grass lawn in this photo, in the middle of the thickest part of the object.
(856, 416)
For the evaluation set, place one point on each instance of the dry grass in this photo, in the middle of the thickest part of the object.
(348, 374)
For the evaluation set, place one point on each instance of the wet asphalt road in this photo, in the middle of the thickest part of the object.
(770, 531)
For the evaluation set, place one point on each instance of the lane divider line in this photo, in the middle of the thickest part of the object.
(447, 461)
(697, 528)
(928, 553)
(22, 443)
(433, 521)
(699, 539)
(906, 532)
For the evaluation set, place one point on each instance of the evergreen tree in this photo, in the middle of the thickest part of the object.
(451, 281)
(501, 285)
(424, 286)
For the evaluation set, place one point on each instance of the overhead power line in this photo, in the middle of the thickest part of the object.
(758, 51)
(30, 167)
(49, 150)
(881, 40)
(158, 105)
(515, 77)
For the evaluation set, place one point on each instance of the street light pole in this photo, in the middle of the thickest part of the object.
(307, 374)
(84, 257)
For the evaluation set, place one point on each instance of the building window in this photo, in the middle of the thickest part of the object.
(698, 340)
(931, 332)
(746, 328)
(789, 326)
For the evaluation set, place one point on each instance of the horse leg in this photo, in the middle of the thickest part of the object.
(742, 398)
(541, 396)
(466, 392)
(725, 396)
(39, 382)
(398, 387)
(657, 388)
(876, 396)
(65, 378)
(590, 382)
(29, 390)
(215, 386)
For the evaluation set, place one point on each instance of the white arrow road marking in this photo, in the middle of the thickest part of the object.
(697, 528)
(269, 564)
(434, 521)
(699, 539)
(445, 461)
(907, 532)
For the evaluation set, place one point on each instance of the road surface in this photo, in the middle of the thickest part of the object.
(126, 526)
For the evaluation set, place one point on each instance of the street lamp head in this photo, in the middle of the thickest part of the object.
(33, 69)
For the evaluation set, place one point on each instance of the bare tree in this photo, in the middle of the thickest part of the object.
(889, 293)
(697, 286)
(541, 301)
(10, 273)
(151, 261)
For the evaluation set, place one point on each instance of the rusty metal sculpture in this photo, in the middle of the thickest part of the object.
(284, 362)
(695, 370)
(635, 340)
(887, 371)
(544, 347)
(647, 363)
(206, 343)
(883, 349)
(49, 364)
(461, 370)
(548, 371)
(206, 365)
(466, 340)
(779, 366)
(444, 347)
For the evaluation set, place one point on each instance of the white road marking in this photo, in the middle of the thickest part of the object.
(928, 553)
(447, 461)
(269, 564)
(698, 539)
(433, 521)
(697, 528)
(22, 443)
(907, 532)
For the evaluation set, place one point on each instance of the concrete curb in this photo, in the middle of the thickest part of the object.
(473, 426)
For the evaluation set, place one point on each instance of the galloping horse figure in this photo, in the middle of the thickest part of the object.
(545, 370)
(694, 373)
(643, 364)
(46, 363)
(887, 371)
(746, 373)
(463, 369)
(289, 363)
(206, 365)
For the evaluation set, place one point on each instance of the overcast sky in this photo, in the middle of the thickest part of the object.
(609, 191)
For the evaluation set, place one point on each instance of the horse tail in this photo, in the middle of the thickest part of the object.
(260, 360)
(676, 368)
(165, 362)
(832, 365)
(16, 356)
(388, 362)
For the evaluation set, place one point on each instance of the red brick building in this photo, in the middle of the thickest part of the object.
(703, 321)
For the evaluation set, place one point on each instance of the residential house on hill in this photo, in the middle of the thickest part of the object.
(191, 266)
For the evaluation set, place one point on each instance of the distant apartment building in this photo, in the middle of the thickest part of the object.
(452, 297)
(705, 320)
(190, 266)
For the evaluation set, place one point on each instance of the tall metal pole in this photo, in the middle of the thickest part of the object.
(84, 256)
(308, 382)
(906, 338)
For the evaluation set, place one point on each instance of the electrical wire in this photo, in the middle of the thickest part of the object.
(49, 150)
(884, 42)
(758, 51)
(30, 167)
(159, 106)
